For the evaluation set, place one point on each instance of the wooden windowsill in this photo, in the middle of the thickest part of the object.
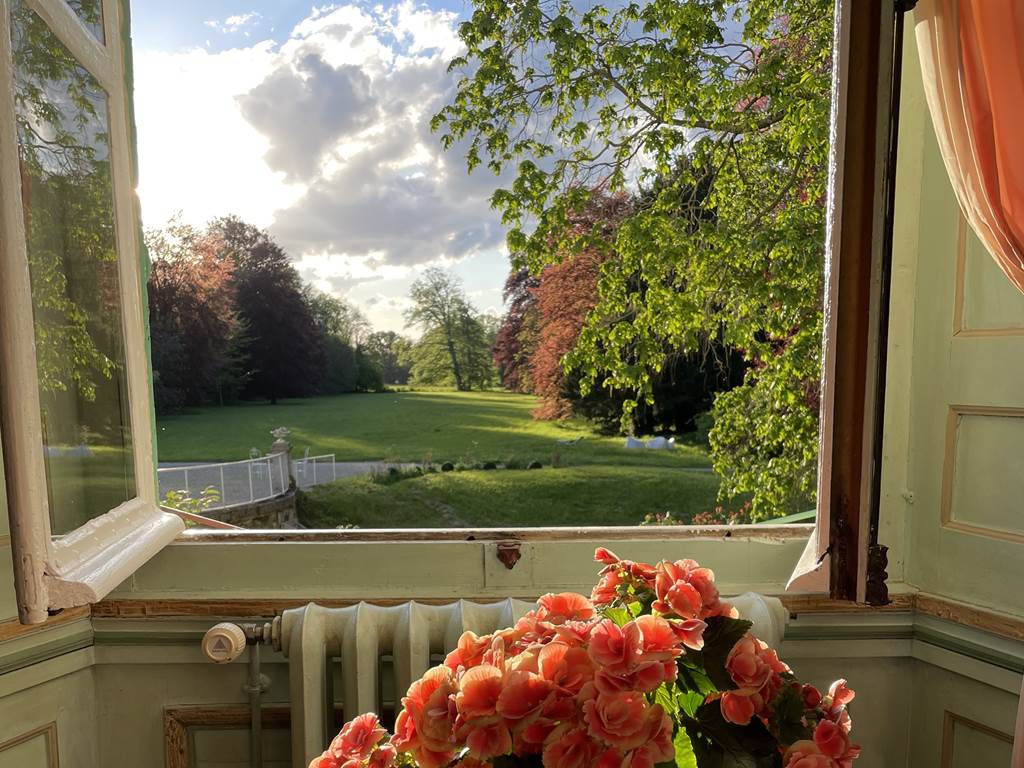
(14, 629)
(582, 533)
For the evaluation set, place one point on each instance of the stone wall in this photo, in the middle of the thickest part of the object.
(278, 512)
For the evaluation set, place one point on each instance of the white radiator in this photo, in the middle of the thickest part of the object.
(360, 636)
(415, 637)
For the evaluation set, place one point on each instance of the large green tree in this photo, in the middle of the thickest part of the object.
(455, 348)
(284, 347)
(345, 330)
(390, 351)
(719, 110)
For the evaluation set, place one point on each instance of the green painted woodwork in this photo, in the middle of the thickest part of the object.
(933, 365)
(45, 645)
(63, 697)
(406, 570)
(938, 695)
(8, 600)
(800, 517)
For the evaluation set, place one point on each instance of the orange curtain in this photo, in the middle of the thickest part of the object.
(972, 58)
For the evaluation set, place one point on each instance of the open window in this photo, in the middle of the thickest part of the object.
(76, 399)
(103, 504)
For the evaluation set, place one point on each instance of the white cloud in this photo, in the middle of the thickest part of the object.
(234, 23)
(197, 153)
(324, 138)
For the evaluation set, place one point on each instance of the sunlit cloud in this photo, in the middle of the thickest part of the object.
(324, 138)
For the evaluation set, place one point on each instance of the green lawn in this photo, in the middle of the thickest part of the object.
(594, 482)
(404, 426)
(586, 495)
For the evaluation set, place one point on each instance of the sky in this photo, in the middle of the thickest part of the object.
(313, 122)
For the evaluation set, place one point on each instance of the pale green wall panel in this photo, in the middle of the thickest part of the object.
(65, 702)
(940, 695)
(988, 484)
(133, 693)
(956, 345)
(971, 746)
(991, 303)
(34, 752)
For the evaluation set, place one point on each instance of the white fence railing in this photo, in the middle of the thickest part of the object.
(237, 482)
(313, 470)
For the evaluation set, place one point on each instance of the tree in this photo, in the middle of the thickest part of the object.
(455, 347)
(703, 95)
(341, 371)
(196, 331)
(369, 374)
(284, 349)
(516, 338)
(390, 351)
(565, 297)
(336, 317)
(341, 326)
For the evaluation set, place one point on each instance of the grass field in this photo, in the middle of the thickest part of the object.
(403, 426)
(585, 495)
(596, 481)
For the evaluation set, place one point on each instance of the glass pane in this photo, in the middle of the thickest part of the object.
(63, 143)
(90, 13)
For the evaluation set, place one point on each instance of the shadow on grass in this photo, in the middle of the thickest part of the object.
(592, 495)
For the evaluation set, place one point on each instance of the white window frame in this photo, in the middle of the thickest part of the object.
(85, 565)
(81, 567)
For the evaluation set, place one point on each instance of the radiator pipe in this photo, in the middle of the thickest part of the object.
(254, 687)
(225, 642)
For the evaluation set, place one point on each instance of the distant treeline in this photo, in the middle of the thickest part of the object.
(231, 319)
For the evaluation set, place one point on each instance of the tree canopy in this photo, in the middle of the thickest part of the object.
(718, 113)
(196, 331)
(456, 341)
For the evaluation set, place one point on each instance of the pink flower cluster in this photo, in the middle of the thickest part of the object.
(563, 683)
(361, 744)
(682, 589)
(757, 671)
(830, 746)
(574, 681)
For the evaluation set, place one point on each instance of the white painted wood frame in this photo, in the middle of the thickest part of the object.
(84, 565)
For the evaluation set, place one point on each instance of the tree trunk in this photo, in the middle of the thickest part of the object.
(456, 370)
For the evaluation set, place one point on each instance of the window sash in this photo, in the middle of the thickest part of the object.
(81, 567)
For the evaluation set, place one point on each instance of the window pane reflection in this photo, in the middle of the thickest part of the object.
(67, 194)
(90, 13)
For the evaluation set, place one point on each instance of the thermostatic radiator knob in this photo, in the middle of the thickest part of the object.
(224, 642)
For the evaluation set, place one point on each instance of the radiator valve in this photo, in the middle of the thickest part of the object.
(225, 642)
